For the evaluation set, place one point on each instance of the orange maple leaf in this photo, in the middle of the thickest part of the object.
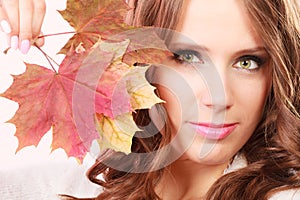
(93, 20)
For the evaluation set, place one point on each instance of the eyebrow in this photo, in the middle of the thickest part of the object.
(187, 46)
(258, 49)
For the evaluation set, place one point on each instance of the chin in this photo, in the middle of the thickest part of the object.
(214, 155)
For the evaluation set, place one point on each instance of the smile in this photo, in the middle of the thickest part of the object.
(213, 131)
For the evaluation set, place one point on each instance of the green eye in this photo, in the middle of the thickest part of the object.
(188, 56)
(246, 64)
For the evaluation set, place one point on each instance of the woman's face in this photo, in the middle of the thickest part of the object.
(216, 85)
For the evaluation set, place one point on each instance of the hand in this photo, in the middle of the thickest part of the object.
(21, 20)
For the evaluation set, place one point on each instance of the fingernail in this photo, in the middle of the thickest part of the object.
(5, 26)
(14, 42)
(25, 45)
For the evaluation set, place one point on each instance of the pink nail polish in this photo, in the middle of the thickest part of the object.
(5, 26)
(25, 45)
(14, 42)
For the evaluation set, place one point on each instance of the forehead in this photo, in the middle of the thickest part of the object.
(218, 22)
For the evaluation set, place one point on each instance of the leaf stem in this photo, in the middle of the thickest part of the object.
(49, 59)
(55, 34)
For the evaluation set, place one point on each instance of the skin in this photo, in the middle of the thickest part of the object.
(22, 20)
(237, 96)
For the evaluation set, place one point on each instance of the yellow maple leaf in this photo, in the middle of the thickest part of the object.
(116, 134)
(141, 93)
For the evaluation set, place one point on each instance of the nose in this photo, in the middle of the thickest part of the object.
(217, 94)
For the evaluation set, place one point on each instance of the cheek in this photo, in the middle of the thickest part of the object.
(172, 104)
(175, 87)
(250, 97)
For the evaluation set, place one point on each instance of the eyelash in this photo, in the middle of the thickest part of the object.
(182, 52)
(257, 59)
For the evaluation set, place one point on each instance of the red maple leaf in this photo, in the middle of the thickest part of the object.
(45, 100)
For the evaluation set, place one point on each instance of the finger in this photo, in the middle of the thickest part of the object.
(25, 33)
(11, 11)
(12, 40)
(39, 8)
(4, 24)
(40, 40)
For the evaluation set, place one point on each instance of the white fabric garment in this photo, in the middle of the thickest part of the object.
(46, 181)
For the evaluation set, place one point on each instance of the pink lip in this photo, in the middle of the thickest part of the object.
(214, 131)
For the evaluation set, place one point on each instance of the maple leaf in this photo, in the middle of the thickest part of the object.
(46, 99)
(141, 92)
(116, 134)
(94, 19)
(146, 56)
(111, 98)
(144, 50)
(42, 99)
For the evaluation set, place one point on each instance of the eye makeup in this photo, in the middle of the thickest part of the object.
(187, 56)
(255, 61)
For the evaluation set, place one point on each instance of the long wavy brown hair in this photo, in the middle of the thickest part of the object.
(273, 151)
